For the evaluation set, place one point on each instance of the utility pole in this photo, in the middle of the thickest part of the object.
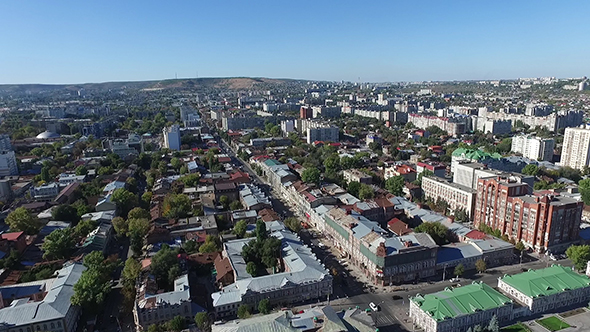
(444, 272)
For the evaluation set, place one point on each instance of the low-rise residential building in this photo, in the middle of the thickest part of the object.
(303, 278)
(152, 307)
(65, 179)
(253, 198)
(461, 308)
(457, 196)
(405, 171)
(45, 193)
(42, 305)
(356, 175)
(547, 289)
(437, 169)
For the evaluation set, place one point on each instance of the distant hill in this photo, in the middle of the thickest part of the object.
(232, 83)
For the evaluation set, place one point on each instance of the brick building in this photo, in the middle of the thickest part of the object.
(542, 221)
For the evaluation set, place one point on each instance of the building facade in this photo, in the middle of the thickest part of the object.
(535, 148)
(172, 137)
(457, 196)
(547, 289)
(459, 309)
(8, 165)
(575, 152)
(541, 221)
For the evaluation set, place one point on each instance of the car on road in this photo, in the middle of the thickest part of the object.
(321, 245)
(397, 297)
(454, 280)
(373, 306)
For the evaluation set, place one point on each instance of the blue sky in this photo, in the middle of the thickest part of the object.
(377, 41)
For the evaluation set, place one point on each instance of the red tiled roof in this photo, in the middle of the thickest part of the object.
(398, 227)
(476, 235)
(12, 236)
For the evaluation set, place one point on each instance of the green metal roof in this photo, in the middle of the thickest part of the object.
(475, 154)
(271, 162)
(548, 281)
(451, 303)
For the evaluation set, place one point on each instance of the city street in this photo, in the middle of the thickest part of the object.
(350, 285)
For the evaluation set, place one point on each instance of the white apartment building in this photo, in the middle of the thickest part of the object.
(287, 126)
(576, 148)
(8, 165)
(356, 175)
(456, 195)
(535, 148)
(172, 137)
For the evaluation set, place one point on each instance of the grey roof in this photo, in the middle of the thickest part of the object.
(114, 185)
(98, 216)
(301, 263)
(55, 305)
(179, 295)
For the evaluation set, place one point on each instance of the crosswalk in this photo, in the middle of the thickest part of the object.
(383, 319)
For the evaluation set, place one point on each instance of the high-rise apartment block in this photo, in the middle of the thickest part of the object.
(535, 148)
(324, 134)
(541, 221)
(172, 137)
(8, 165)
(576, 148)
(305, 112)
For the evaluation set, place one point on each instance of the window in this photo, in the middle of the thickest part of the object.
(58, 323)
(52, 326)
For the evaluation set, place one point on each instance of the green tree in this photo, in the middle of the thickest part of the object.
(183, 169)
(264, 306)
(58, 244)
(202, 321)
(244, 311)
(90, 291)
(190, 246)
(176, 206)
(293, 224)
(579, 255)
(139, 226)
(493, 325)
(235, 205)
(519, 246)
(481, 265)
(395, 185)
(584, 188)
(22, 220)
(530, 169)
(138, 213)
(240, 228)
(332, 163)
(162, 262)
(81, 170)
(65, 212)
(147, 197)
(459, 270)
(353, 188)
(224, 200)
(84, 227)
(252, 269)
(45, 176)
(366, 192)
(125, 200)
(191, 180)
(121, 226)
(437, 231)
(176, 163)
(131, 272)
(176, 324)
(311, 175)
(461, 215)
(212, 244)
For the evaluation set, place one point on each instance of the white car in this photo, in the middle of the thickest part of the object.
(454, 279)
(373, 306)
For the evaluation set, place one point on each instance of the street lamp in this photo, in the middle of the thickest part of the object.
(444, 272)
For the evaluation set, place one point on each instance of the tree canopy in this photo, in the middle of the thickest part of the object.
(437, 231)
(311, 175)
(22, 220)
(395, 185)
(579, 255)
(58, 244)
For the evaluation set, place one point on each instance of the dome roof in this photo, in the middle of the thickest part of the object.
(48, 134)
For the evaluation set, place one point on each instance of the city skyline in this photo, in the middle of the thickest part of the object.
(73, 43)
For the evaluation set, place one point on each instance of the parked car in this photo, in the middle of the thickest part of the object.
(454, 280)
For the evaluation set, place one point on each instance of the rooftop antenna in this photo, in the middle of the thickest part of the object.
(175, 76)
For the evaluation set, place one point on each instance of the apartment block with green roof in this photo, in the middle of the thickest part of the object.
(460, 308)
(547, 289)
